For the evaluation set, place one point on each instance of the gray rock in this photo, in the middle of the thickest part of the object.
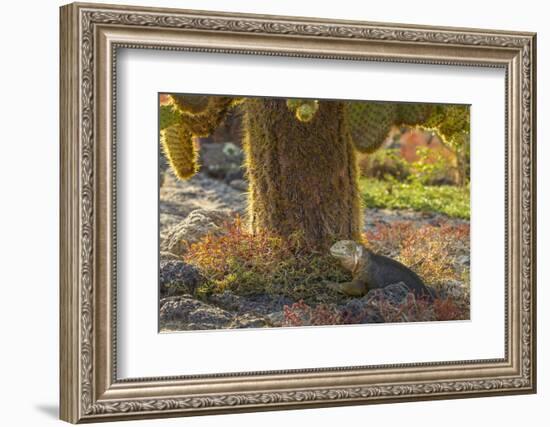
(239, 184)
(248, 321)
(395, 294)
(261, 305)
(227, 300)
(221, 159)
(359, 311)
(177, 278)
(371, 315)
(354, 308)
(433, 292)
(186, 313)
(452, 289)
(237, 174)
(253, 311)
(367, 308)
(179, 198)
(198, 224)
(464, 260)
(276, 318)
(168, 256)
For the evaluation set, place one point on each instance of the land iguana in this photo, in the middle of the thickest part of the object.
(370, 271)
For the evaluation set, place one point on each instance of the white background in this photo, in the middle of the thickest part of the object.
(141, 347)
(29, 172)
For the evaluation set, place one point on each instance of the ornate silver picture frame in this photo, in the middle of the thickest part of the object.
(91, 35)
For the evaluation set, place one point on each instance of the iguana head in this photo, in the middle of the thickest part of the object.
(348, 252)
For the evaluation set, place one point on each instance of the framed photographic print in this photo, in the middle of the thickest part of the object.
(265, 212)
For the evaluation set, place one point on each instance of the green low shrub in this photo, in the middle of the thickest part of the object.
(446, 199)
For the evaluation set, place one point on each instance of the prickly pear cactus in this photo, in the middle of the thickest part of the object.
(183, 119)
(302, 173)
(204, 121)
(168, 116)
(190, 104)
(300, 154)
(413, 114)
(180, 151)
(370, 123)
(452, 122)
(304, 109)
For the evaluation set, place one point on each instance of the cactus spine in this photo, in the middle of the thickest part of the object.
(301, 155)
(302, 175)
(186, 118)
(180, 151)
(371, 122)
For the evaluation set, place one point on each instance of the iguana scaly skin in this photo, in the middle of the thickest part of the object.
(371, 271)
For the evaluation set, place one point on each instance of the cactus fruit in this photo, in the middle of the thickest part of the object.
(180, 150)
(303, 109)
(306, 111)
(293, 103)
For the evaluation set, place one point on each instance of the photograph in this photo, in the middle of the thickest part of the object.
(263, 212)
(287, 212)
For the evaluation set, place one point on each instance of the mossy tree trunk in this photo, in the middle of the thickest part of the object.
(303, 176)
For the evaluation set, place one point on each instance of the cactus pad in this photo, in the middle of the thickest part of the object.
(370, 123)
(169, 116)
(450, 121)
(413, 114)
(180, 150)
(192, 104)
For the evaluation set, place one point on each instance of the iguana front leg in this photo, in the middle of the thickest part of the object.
(355, 288)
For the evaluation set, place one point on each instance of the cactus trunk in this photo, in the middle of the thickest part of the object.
(303, 176)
